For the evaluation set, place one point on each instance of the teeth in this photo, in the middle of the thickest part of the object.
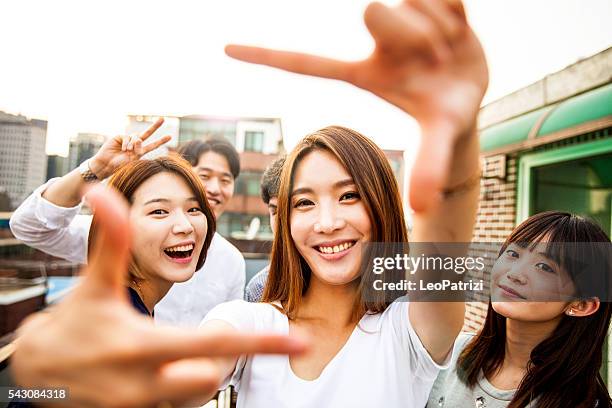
(181, 248)
(335, 248)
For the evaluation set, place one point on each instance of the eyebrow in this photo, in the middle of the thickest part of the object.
(223, 173)
(341, 183)
(165, 200)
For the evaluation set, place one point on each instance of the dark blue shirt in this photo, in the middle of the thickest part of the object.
(137, 302)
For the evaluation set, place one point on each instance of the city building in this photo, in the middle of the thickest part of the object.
(83, 147)
(547, 146)
(23, 162)
(57, 166)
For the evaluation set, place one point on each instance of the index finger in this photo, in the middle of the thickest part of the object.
(299, 63)
(152, 129)
(175, 345)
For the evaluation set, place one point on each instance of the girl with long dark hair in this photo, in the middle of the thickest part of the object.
(533, 351)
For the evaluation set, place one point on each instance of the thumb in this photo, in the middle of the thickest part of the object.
(110, 235)
(431, 167)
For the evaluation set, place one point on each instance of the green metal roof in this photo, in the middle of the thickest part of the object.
(579, 109)
(511, 131)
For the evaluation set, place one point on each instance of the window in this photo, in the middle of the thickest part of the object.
(248, 183)
(253, 141)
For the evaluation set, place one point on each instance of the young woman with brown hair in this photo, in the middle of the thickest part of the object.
(338, 194)
(537, 349)
(173, 226)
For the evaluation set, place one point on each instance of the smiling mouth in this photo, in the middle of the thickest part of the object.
(511, 292)
(180, 252)
(213, 201)
(335, 249)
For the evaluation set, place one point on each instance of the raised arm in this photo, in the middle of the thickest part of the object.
(114, 153)
(428, 62)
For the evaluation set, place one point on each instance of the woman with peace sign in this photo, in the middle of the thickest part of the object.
(96, 346)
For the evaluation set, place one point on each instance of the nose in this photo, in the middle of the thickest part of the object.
(517, 274)
(212, 186)
(328, 220)
(182, 225)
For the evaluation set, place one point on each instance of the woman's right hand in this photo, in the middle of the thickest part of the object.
(105, 354)
(428, 62)
(121, 150)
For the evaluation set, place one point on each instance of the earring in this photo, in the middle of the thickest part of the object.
(570, 312)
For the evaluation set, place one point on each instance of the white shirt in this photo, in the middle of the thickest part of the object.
(63, 232)
(382, 364)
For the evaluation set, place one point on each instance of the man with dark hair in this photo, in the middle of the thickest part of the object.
(270, 183)
(222, 277)
(217, 163)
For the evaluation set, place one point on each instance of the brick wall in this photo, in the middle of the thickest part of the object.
(494, 222)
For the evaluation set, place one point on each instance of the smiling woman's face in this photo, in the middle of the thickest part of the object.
(528, 286)
(169, 228)
(329, 222)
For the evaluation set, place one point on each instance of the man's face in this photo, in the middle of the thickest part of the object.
(272, 209)
(214, 171)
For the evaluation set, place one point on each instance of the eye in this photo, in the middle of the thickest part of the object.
(511, 253)
(195, 210)
(303, 203)
(158, 212)
(204, 176)
(351, 195)
(226, 181)
(545, 267)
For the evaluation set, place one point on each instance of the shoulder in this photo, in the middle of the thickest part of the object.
(245, 316)
(254, 289)
(222, 247)
(259, 279)
(463, 340)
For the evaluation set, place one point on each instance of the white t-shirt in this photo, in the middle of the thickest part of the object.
(63, 232)
(382, 364)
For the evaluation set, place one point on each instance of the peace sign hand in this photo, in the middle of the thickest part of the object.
(121, 150)
(107, 355)
(427, 61)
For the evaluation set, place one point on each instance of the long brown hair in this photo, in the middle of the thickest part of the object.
(131, 176)
(563, 370)
(289, 274)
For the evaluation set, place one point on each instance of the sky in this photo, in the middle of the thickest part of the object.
(85, 65)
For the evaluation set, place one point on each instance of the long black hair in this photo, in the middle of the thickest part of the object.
(563, 370)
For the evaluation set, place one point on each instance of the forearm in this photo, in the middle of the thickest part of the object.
(67, 191)
(446, 230)
(453, 218)
(225, 366)
(59, 231)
